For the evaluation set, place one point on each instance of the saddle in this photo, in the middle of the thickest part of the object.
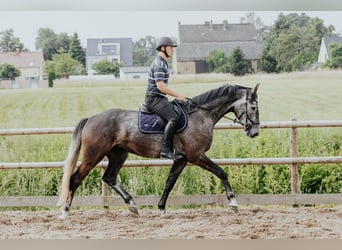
(151, 123)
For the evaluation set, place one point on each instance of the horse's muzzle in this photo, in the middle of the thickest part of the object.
(252, 131)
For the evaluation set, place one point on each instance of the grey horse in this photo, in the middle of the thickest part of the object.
(114, 133)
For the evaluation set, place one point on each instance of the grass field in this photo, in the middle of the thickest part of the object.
(304, 96)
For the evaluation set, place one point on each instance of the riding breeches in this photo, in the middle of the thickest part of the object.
(162, 107)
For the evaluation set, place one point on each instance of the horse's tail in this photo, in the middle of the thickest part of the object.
(71, 162)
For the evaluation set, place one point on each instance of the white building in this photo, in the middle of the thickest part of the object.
(324, 52)
(129, 73)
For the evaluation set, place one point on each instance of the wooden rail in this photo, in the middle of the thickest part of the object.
(291, 199)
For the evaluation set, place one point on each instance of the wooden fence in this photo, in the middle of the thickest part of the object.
(105, 200)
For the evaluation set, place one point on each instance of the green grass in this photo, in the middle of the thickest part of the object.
(304, 96)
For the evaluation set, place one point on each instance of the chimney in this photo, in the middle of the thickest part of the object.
(225, 24)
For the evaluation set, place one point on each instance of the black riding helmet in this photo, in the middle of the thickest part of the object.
(165, 41)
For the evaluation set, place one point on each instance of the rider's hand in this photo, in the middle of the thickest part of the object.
(181, 98)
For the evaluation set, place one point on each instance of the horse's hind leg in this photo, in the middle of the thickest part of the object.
(89, 161)
(116, 159)
(75, 182)
(204, 162)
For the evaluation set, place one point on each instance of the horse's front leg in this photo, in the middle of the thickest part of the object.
(230, 195)
(204, 162)
(175, 171)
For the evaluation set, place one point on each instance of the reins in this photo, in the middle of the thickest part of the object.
(210, 111)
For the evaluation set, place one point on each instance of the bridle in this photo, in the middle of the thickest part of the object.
(248, 122)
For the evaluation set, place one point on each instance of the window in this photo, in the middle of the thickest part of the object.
(109, 48)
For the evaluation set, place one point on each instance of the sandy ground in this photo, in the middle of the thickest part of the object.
(212, 223)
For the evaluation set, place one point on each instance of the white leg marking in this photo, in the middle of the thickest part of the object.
(64, 214)
(233, 202)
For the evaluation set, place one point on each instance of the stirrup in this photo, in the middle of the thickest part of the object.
(170, 155)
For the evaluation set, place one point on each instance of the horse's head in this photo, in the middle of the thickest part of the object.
(247, 111)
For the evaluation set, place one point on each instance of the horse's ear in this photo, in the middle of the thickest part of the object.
(255, 89)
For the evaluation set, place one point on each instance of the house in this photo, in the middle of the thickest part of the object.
(197, 41)
(130, 73)
(30, 65)
(324, 51)
(112, 49)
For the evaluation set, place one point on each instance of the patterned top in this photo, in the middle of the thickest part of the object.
(159, 71)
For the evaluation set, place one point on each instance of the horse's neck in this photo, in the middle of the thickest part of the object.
(223, 105)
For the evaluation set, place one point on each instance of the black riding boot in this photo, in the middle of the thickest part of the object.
(167, 146)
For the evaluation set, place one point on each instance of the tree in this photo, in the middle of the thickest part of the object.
(144, 51)
(336, 56)
(293, 42)
(47, 41)
(76, 51)
(268, 63)
(62, 65)
(105, 67)
(289, 50)
(10, 43)
(8, 71)
(63, 41)
(238, 65)
(217, 62)
(51, 43)
(51, 78)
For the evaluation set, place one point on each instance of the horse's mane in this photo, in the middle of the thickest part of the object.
(229, 91)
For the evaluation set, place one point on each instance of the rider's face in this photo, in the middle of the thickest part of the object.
(169, 50)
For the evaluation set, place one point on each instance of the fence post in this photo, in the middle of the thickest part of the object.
(294, 166)
(104, 191)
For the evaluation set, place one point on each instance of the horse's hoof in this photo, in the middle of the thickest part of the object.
(163, 212)
(133, 209)
(235, 209)
(233, 204)
(64, 210)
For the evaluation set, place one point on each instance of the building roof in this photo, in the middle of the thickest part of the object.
(209, 32)
(23, 59)
(197, 41)
(329, 40)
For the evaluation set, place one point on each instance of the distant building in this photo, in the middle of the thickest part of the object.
(30, 65)
(113, 49)
(197, 41)
(130, 73)
(324, 52)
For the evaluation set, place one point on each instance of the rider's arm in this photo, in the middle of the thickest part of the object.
(166, 90)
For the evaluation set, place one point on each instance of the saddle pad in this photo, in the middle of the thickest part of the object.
(150, 123)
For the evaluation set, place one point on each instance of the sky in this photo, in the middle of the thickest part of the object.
(129, 23)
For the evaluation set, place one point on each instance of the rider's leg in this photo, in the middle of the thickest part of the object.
(167, 146)
(162, 107)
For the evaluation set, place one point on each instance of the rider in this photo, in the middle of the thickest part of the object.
(156, 95)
